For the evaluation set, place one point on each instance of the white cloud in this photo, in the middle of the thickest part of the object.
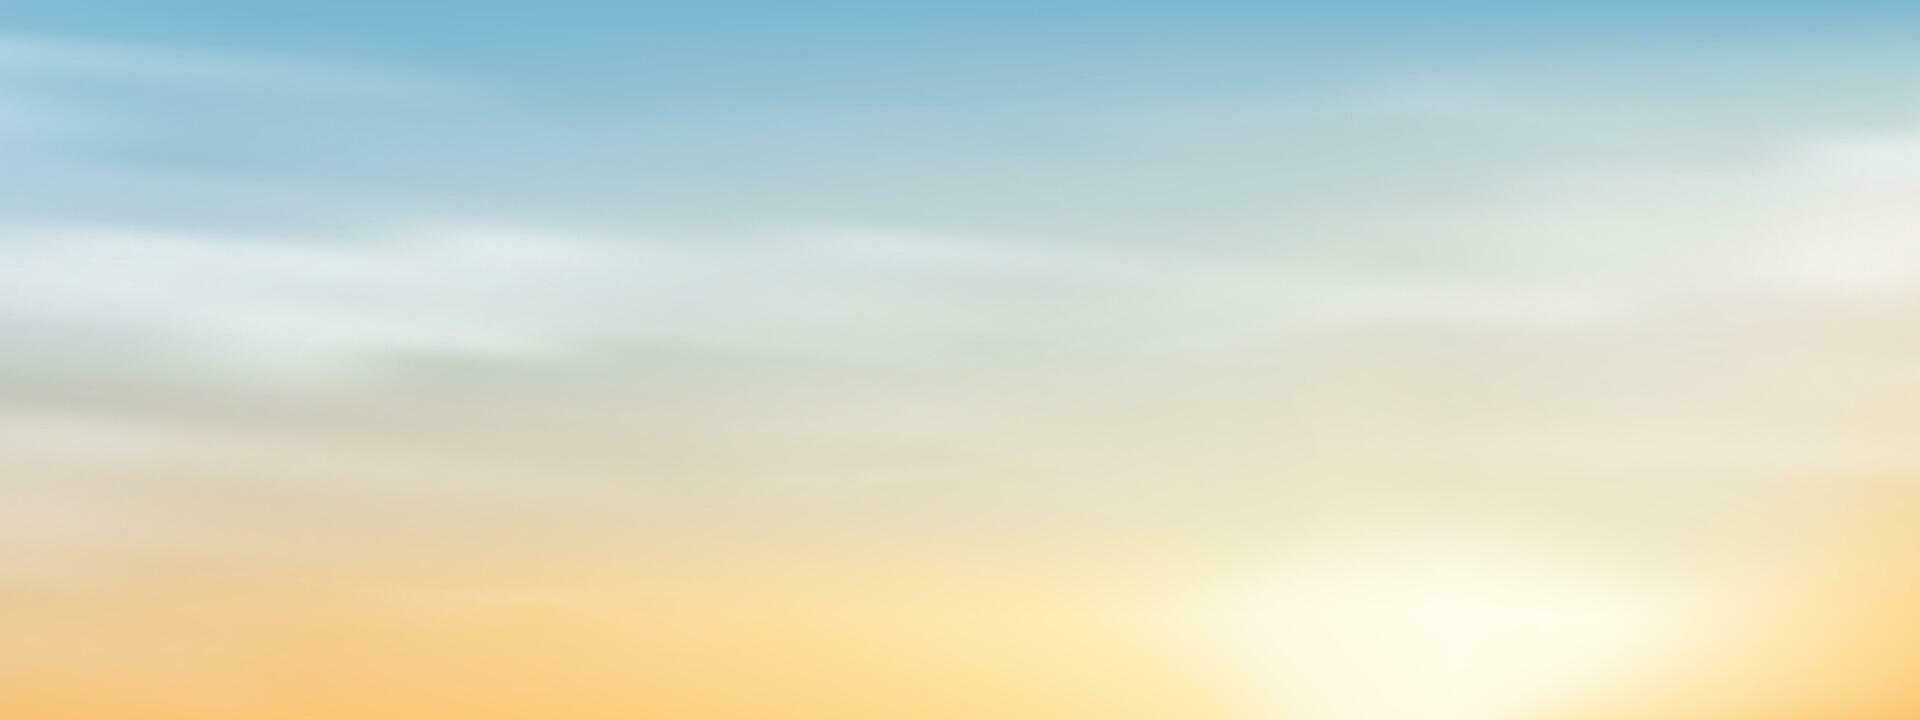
(302, 308)
(1828, 217)
(63, 58)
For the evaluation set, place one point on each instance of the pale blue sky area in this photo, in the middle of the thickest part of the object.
(1105, 122)
(293, 186)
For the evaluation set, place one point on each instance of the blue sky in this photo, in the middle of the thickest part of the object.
(250, 198)
(1074, 121)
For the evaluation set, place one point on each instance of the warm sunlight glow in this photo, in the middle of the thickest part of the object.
(1440, 625)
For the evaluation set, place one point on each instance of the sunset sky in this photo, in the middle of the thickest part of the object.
(1030, 361)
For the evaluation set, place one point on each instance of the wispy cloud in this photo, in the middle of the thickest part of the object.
(531, 295)
(38, 57)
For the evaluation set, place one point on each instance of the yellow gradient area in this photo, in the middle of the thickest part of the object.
(1445, 620)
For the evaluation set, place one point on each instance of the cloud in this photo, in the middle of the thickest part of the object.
(1823, 217)
(300, 309)
(39, 57)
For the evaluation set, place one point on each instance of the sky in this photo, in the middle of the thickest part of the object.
(1467, 361)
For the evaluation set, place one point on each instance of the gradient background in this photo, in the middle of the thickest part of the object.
(1394, 361)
